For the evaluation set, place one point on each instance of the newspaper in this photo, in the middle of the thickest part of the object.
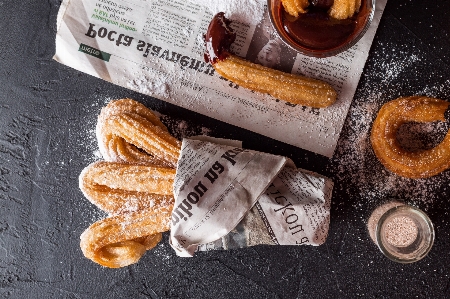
(156, 48)
(227, 197)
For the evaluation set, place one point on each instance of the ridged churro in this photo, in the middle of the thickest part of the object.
(294, 7)
(340, 9)
(344, 9)
(119, 187)
(287, 87)
(118, 241)
(417, 164)
(129, 132)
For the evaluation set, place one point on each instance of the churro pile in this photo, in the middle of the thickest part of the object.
(133, 184)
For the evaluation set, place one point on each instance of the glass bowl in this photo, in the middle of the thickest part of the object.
(362, 20)
(405, 234)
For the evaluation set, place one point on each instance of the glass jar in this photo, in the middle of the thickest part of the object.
(404, 234)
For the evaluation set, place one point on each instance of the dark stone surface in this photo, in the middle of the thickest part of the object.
(47, 116)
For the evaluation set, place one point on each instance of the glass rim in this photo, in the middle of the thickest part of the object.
(325, 52)
(409, 209)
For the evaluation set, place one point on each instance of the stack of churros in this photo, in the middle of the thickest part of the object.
(133, 185)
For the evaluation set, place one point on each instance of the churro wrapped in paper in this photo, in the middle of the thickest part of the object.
(211, 193)
(227, 197)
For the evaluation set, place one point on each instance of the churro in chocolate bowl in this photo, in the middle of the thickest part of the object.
(321, 28)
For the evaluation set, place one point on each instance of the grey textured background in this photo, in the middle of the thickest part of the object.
(47, 116)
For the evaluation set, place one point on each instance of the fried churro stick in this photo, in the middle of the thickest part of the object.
(344, 9)
(294, 7)
(417, 164)
(287, 87)
(131, 191)
(129, 132)
(118, 187)
(117, 241)
(121, 106)
(135, 130)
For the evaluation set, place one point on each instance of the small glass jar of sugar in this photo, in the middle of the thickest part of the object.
(404, 234)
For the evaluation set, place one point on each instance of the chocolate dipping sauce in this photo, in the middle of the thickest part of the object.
(315, 29)
(317, 34)
(218, 38)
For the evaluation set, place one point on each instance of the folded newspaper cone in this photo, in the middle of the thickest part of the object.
(227, 197)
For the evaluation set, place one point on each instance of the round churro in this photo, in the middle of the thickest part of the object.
(417, 164)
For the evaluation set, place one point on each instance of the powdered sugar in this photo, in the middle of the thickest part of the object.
(87, 137)
(144, 85)
(181, 128)
(371, 180)
(401, 231)
(245, 11)
(355, 164)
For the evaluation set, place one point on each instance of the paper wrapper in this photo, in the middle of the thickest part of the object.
(228, 197)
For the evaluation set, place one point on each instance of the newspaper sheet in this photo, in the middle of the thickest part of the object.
(156, 48)
(227, 197)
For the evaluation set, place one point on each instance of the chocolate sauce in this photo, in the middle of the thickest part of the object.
(218, 38)
(322, 4)
(316, 29)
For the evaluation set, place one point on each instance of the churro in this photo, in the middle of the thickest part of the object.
(417, 164)
(118, 241)
(287, 87)
(119, 187)
(338, 9)
(294, 7)
(344, 9)
(129, 132)
(133, 185)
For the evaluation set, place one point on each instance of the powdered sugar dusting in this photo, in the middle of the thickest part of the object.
(87, 136)
(182, 129)
(245, 11)
(419, 136)
(355, 164)
(154, 87)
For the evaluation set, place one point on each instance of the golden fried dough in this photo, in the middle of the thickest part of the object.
(417, 164)
(344, 9)
(117, 241)
(129, 132)
(291, 88)
(294, 7)
(134, 184)
(287, 87)
(119, 187)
